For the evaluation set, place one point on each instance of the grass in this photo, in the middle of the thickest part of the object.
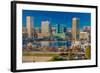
(39, 54)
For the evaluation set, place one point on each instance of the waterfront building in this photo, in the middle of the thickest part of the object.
(75, 28)
(45, 28)
(84, 35)
(29, 24)
(59, 28)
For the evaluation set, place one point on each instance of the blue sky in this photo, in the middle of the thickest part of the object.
(63, 18)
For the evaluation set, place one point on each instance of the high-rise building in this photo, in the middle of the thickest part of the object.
(29, 22)
(75, 28)
(59, 28)
(45, 27)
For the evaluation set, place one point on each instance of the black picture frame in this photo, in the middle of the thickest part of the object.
(13, 35)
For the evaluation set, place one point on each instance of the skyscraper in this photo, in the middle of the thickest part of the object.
(75, 28)
(45, 28)
(59, 28)
(29, 21)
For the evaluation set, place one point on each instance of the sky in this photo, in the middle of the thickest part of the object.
(62, 18)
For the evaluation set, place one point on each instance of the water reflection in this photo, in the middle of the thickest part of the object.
(52, 43)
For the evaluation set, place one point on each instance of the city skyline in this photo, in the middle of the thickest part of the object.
(62, 18)
(52, 41)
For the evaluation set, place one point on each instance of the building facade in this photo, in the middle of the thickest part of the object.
(45, 28)
(75, 29)
(84, 35)
(30, 28)
(59, 28)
